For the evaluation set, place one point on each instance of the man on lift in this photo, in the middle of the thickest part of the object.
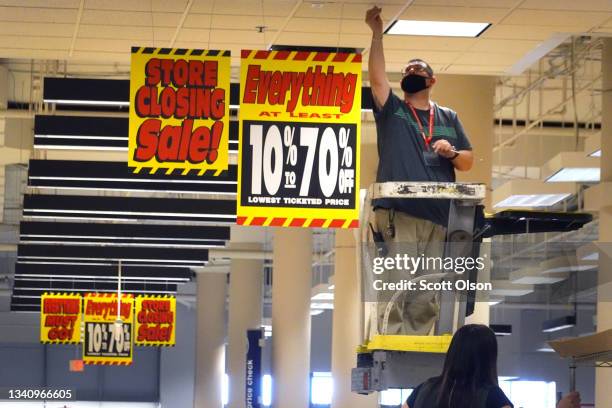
(418, 140)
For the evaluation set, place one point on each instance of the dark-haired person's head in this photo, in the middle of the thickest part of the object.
(417, 76)
(470, 365)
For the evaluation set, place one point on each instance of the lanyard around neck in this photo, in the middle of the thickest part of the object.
(426, 139)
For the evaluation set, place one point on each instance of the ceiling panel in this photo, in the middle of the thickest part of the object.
(309, 25)
(144, 34)
(38, 15)
(486, 58)
(247, 7)
(42, 43)
(401, 42)
(246, 22)
(516, 47)
(470, 14)
(163, 6)
(106, 45)
(302, 38)
(582, 20)
(524, 32)
(469, 3)
(126, 18)
(42, 3)
(595, 5)
(438, 57)
(49, 29)
(358, 11)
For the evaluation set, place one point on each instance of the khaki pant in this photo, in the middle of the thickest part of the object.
(410, 312)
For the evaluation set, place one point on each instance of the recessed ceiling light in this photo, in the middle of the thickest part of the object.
(437, 28)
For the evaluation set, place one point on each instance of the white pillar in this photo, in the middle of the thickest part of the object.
(473, 97)
(346, 332)
(245, 312)
(603, 377)
(291, 285)
(210, 339)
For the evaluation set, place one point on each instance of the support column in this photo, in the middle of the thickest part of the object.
(603, 377)
(291, 286)
(210, 339)
(473, 97)
(346, 332)
(245, 312)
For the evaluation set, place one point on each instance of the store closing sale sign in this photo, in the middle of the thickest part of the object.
(155, 320)
(300, 122)
(60, 318)
(108, 335)
(179, 109)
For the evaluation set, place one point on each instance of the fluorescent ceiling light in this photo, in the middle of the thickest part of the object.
(533, 275)
(564, 264)
(437, 28)
(154, 214)
(571, 167)
(323, 296)
(527, 193)
(559, 323)
(495, 301)
(319, 305)
(501, 329)
(120, 244)
(506, 288)
(596, 153)
(82, 102)
(134, 180)
(316, 312)
(82, 137)
(592, 145)
(576, 174)
(53, 147)
(545, 350)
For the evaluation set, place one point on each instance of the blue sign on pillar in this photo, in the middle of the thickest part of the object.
(253, 369)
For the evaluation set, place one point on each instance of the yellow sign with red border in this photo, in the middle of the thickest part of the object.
(299, 139)
(155, 321)
(179, 110)
(60, 318)
(108, 329)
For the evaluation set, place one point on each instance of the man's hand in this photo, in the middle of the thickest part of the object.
(571, 400)
(374, 20)
(444, 148)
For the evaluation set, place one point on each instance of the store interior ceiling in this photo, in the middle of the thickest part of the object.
(545, 53)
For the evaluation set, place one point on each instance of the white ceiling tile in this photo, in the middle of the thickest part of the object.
(246, 22)
(518, 47)
(31, 53)
(32, 29)
(125, 18)
(467, 3)
(103, 45)
(197, 20)
(521, 32)
(487, 58)
(468, 14)
(305, 38)
(583, 5)
(581, 19)
(476, 69)
(141, 34)
(433, 57)
(91, 55)
(40, 43)
(41, 3)
(399, 42)
(38, 15)
(299, 24)
(114, 5)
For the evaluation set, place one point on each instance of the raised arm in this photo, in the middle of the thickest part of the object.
(376, 60)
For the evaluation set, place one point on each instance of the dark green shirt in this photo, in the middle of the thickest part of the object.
(400, 154)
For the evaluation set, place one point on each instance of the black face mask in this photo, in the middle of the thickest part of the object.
(413, 83)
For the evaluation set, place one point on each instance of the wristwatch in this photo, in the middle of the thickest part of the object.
(454, 156)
